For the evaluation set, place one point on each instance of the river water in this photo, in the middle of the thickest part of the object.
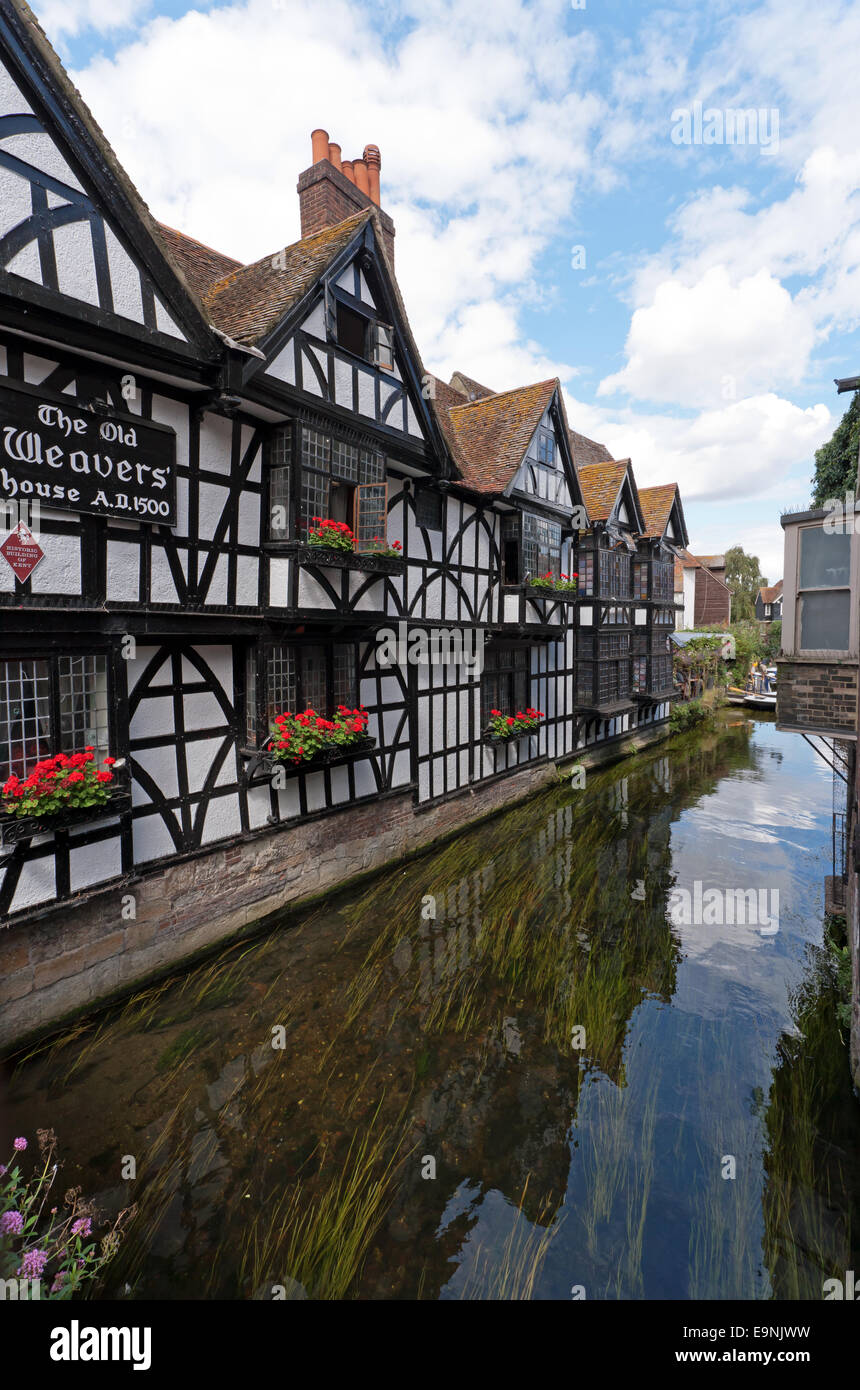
(502, 1070)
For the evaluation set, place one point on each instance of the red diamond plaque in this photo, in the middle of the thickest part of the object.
(21, 551)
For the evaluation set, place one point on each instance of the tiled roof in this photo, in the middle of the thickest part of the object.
(771, 594)
(490, 436)
(656, 503)
(248, 302)
(712, 562)
(200, 265)
(601, 484)
(691, 562)
(468, 387)
(587, 451)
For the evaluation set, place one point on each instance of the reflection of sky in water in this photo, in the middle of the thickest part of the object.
(690, 1018)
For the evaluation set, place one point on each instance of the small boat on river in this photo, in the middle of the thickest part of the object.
(759, 691)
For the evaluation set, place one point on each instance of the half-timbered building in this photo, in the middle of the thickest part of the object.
(173, 425)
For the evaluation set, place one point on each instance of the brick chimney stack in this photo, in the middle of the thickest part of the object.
(334, 188)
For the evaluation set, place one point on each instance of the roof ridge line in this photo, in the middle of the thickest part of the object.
(494, 396)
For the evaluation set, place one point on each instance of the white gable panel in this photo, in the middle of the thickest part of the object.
(165, 323)
(365, 291)
(27, 264)
(39, 150)
(12, 100)
(315, 322)
(15, 200)
(76, 271)
(124, 279)
(284, 365)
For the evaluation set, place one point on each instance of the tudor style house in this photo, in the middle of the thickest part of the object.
(186, 423)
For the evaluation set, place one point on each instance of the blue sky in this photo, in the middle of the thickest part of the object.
(720, 290)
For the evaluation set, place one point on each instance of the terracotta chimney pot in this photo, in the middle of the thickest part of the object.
(319, 145)
(346, 168)
(373, 161)
(359, 169)
(334, 155)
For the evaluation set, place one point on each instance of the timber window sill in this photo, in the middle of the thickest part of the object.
(326, 557)
(262, 763)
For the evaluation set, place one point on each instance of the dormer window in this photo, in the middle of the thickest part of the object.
(364, 337)
(546, 448)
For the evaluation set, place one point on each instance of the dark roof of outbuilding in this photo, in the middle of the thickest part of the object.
(771, 594)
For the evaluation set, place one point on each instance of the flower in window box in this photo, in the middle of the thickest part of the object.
(318, 733)
(381, 547)
(60, 783)
(505, 726)
(334, 535)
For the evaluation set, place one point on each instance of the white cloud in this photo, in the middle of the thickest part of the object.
(486, 133)
(714, 341)
(67, 18)
(740, 451)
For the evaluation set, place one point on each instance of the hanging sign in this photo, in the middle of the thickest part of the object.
(21, 551)
(63, 454)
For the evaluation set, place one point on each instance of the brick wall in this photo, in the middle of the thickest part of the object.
(817, 696)
(69, 960)
(326, 196)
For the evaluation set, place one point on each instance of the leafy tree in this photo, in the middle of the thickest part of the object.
(744, 578)
(836, 461)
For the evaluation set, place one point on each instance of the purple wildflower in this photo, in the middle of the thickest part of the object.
(2, 1169)
(20, 1144)
(11, 1223)
(33, 1264)
(59, 1280)
(82, 1227)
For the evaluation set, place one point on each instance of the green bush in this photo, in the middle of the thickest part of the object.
(687, 716)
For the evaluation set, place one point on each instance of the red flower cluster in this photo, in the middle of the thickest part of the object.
(335, 534)
(505, 725)
(66, 779)
(316, 731)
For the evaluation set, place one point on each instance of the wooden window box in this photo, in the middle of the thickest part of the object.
(262, 763)
(499, 740)
(557, 595)
(326, 557)
(14, 829)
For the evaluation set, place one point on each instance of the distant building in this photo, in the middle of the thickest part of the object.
(768, 603)
(702, 595)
